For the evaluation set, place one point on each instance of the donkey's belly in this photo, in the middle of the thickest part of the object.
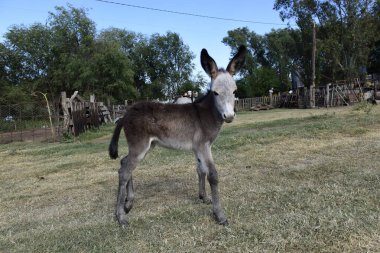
(174, 143)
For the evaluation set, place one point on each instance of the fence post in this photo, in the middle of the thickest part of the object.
(271, 97)
(327, 100)
(48, 109)
(66, 114)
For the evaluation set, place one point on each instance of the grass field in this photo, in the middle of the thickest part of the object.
(290, 181)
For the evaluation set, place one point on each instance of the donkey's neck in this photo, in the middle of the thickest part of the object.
(208, 113)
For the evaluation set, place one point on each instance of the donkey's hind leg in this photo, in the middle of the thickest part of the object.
(128, 164)
(130, 196)
(126, 192)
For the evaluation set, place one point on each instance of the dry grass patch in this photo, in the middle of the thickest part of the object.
(290, 181)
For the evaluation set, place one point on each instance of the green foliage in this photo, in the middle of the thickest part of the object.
(198, 83)
(52, 57)
(282, 54)
(73, 39)
(374, 58)
(13, 94)
(113, 72)
(364, 106)
(66, 54)
(255, 45)
(161, 64)
(258, 83)
(25, 56)
(171, 63)
(269, 62)
(346, 30)
(346, 35)
(89, 135)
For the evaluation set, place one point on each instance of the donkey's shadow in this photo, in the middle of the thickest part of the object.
(175, 187)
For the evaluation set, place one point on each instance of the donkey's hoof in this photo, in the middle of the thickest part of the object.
(224, 223)
(222, 220)
(123, 223)
(205, 200)
(122, 219)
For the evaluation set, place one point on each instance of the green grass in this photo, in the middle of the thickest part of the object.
(290, 181)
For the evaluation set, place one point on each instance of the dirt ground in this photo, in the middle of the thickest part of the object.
(38, 134)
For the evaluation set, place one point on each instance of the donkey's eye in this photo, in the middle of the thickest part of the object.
(216, 93)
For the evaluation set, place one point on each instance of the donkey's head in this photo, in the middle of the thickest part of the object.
(223, 86)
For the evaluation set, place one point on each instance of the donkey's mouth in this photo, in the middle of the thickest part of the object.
(228, 120)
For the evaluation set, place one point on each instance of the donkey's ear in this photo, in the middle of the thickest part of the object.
(208, 64)
(237, 61)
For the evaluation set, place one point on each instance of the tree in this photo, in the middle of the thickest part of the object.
(53, 57)
(255, 44)
(345, 33)
(170, 63)
(196, 84)
(112, 73)
(24, 60)
(269, 60)
(161, 64)
(374, 55)
(127, 40)
(374, 59)
(136, 47)
(282, 54)
(73, 39)
(66, 54)
(27, 55)
(258, 83)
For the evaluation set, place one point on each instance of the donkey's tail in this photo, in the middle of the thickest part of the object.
(112, 149)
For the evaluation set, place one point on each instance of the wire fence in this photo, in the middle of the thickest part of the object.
(28, 122)
(32, 122)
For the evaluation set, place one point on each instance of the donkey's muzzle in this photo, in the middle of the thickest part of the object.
(228, 118)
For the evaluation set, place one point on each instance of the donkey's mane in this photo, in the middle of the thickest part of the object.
(202, 98)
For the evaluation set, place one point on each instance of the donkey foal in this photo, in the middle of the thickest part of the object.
(192, 126)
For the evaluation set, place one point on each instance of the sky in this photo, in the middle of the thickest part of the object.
(196, 32)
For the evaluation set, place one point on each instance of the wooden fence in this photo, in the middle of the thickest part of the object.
(331, 95)
(247, 103)
(80, 115)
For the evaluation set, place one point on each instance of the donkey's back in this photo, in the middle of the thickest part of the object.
(170, 125)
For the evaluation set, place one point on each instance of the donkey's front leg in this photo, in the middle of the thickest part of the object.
(202, 183)
(212, 178)
(206, 167)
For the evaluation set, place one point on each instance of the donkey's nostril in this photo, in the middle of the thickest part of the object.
(224, 116)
